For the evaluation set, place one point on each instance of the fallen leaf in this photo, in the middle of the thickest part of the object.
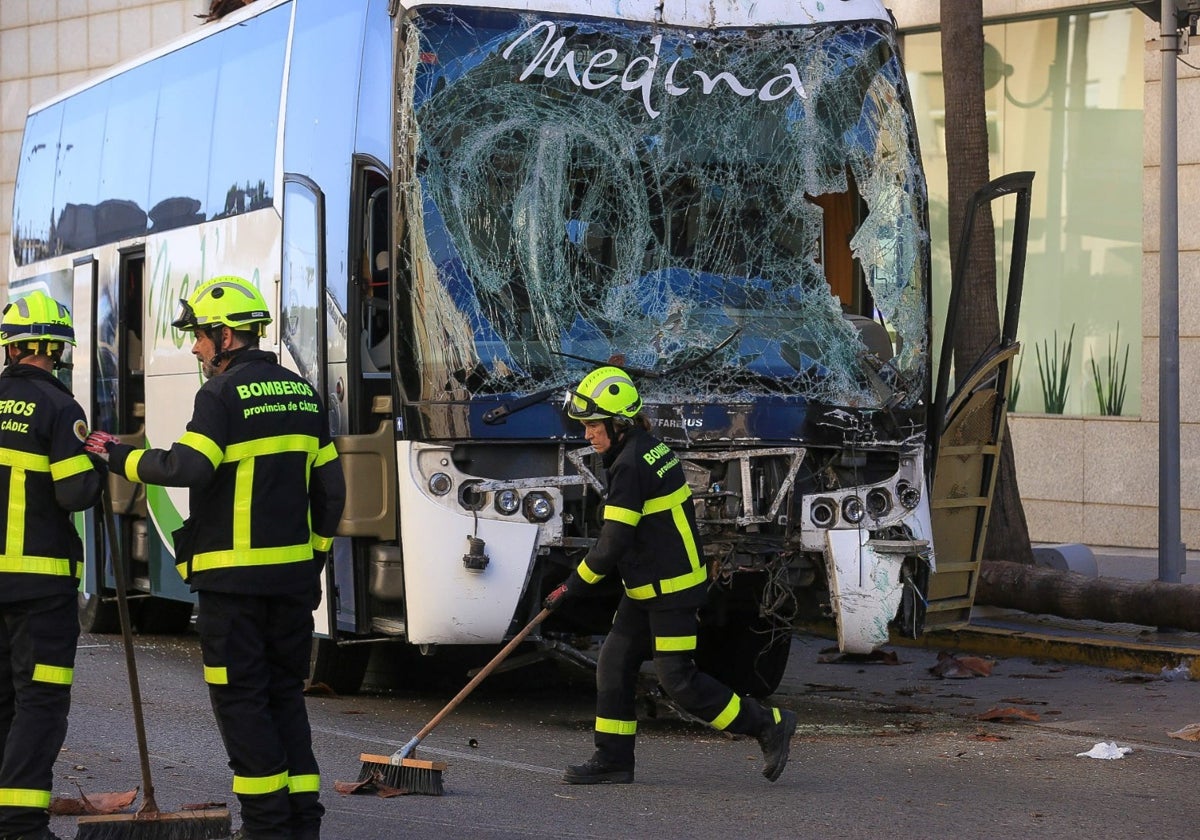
(953, 667)
(97, 803)
(989, 737)
(201, 806)
(361, 786)
(1191, 732)
(1008, 713)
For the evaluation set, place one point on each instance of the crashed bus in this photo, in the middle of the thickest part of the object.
(455, 210)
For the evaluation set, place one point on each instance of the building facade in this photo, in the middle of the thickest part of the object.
(1073, 93)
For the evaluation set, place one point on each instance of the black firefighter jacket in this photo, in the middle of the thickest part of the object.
(649, 533)
(265, 485)
(44, 475)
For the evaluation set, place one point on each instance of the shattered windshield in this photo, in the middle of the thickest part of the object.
(584, 190)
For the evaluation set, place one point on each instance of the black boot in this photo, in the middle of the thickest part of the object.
(597, 770)
(776, 741)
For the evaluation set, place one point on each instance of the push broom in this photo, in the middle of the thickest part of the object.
(403, 772)
(148, 823)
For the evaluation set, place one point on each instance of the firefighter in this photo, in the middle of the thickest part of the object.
(45, 474)
(649, 537)
(260, 466)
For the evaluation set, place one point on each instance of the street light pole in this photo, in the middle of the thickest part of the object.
(1171, 556)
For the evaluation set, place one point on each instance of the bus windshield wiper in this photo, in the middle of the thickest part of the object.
(496, 415)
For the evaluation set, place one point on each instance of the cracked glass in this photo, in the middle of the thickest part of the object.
(580, 191)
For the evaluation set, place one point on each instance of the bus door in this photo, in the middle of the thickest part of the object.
(368, 451)
(967, 428)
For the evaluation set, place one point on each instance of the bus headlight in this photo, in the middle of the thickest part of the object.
(538, 507)
(823, 513)
(507, 501)
(910, 496)
(440, 484)
(879, 502)
(853, 510)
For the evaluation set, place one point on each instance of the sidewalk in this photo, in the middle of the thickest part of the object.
(1133, 647)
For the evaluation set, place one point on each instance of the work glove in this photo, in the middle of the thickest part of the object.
(555, 598)
(98, 443)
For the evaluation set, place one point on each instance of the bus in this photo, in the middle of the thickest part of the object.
(456, 209)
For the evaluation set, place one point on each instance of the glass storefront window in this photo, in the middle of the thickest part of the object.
(1064, 99)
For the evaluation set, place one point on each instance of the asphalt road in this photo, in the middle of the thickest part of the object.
(882, 751)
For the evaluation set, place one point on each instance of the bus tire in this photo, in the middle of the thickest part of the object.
(340, 667)
(747, 654)
(97, 615)
(164, 616)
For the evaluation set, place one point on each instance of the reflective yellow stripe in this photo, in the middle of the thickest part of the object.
(24, 798)
(216, 675)
(251, 557)
(620, 514)
(24, 460)
(206, 446)
(34, 565)
(667, 644)
(641, 593)
(616, 727)
(14, 533)
(664, 503)
(131, 464)
(775, 715)
(327, 453)
(243, 495)
(320, 543)
(585, 572)
(271, 446)
(70, 466)
(728, 713)
(55, 674)
(307, 783)
(258, 785)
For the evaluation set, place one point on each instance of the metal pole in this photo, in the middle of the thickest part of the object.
(1171, 556)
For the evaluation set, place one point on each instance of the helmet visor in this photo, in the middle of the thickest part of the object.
(581, 407)
(187, 317)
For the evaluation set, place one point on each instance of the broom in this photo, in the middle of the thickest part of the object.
(412, 775)
(148, 823)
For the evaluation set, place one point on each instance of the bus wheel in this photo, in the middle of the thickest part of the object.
(164, 616)
(97, 615)
(341, 667)
(747, 653)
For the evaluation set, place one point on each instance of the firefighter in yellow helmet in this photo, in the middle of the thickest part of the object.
(260, 465)
(45, 474)
(649, 538)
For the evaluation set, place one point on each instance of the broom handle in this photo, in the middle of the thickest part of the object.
(476, 680)
(149, 806)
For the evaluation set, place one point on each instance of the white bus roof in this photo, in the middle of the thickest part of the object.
(696, 13)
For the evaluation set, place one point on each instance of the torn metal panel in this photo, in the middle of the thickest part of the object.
(865, 586)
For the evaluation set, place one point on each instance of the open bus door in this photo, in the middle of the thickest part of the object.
(967, 429)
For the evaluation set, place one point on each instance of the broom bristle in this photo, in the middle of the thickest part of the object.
(211, 824)
(411, 775)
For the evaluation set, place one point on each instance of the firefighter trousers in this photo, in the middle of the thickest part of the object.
(37, 663)
(669, 636)
(256, 652)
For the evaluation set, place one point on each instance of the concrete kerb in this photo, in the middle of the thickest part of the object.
(1085, 646)
(1102, 652)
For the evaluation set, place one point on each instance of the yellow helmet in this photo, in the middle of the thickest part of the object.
(37, 317)
(605, 393)
(228, 300)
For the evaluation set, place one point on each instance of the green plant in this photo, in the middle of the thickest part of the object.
(1053, 372)
(1110, 388)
